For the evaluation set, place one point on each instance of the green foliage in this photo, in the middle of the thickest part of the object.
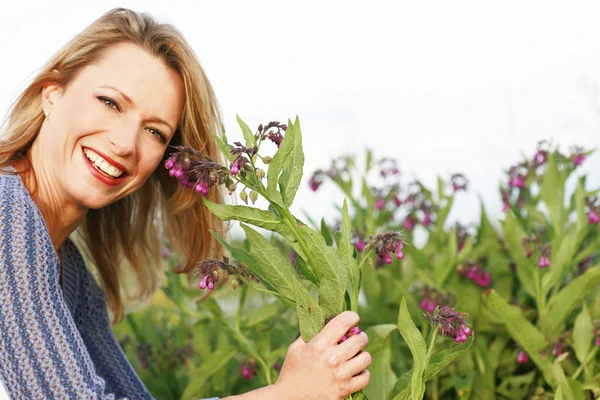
(550, 314)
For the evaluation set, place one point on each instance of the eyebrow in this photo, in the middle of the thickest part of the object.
(132, 103)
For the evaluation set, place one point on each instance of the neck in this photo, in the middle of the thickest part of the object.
(61, 215)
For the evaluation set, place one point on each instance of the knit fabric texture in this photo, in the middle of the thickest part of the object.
(55, 343)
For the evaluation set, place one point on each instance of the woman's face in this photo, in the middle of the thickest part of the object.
(109, 128)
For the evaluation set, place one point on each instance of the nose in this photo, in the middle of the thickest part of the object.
(123, 141)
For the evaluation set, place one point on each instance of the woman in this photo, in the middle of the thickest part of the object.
(80, 153)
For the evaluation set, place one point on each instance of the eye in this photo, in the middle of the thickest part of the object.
(158, 134)
(109, 103)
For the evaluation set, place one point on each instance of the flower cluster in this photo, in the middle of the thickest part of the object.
(545, 250)
(433, 298)
(194, 170)
(273, 131)
(516, 190)
(459, 182)
(388, 167)
(210, 270)
(450, 323)
(384, 244)
(249, 369)
(475, 272)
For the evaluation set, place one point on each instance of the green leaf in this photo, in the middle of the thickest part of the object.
(521, 330)
(441, 360)
(382, 375)
(571, 296)
(276, 165)
(261, 218)
(345, 252)
(209, 367)
(552, 192)
(438, 363)
(561, 380)
(580, 205)
(248, 135)
(558, 395)
(326, 233)
(560, 262)
(331, 275)
(223, 146)
(413, 338)
(583, 334)
(291, 175)
(378, 334)
(280, 274)
(513, 236)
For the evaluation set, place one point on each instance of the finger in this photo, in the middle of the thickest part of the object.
(351, 346)
(356, 365)
(336, 328)
(359, 382)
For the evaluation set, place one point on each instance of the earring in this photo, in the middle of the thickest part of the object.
(47, 114)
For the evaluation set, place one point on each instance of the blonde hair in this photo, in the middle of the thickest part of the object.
(126, 231)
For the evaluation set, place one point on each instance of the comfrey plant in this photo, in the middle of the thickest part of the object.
(325, 263)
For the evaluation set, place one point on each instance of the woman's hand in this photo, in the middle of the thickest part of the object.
(322, 369)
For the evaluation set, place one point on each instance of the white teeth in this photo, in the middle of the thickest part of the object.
(102, 164)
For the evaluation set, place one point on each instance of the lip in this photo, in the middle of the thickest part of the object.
(98, 175)
(108, 159)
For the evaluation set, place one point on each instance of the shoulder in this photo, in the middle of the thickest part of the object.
(18, 212)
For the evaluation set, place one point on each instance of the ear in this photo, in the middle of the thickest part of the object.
(51, 92)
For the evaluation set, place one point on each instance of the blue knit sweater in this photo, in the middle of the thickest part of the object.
(54, 343)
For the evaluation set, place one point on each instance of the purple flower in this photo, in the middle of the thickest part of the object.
(379, 203)
(544, 262)
(517, 181)
(505, 206)
(360, 245)
(249, 369)
(450, 323)
(540, 157)
(202, 187)
(593, 217)
(459, 182)
(235, 166)
(192, 168)
(316, 180)
(408, 223)
(397, 201)
(427, 219)
(578, 159)
(522, 357)
(385, 244)
(275, 135)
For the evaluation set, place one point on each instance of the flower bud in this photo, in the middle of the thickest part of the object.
(244, 196)
(260, 173)
(253, 196)
(267, 159)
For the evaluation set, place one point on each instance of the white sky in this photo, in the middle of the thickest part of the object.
(461, 87)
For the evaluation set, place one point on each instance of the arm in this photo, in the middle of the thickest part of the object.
(42, 355)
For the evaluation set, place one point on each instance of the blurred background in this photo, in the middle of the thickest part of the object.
(442, 87)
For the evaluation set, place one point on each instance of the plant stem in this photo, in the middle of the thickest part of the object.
(431, 343)
(587, 360)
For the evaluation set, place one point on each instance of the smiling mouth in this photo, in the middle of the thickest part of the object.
(103, 166)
